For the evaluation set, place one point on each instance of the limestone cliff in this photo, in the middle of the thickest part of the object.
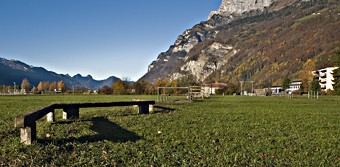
(238, 7)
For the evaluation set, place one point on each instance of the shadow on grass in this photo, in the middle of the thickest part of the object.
(105, 130)
(161, 109)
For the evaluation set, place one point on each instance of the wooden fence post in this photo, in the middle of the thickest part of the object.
(71, 112)
(143, 109)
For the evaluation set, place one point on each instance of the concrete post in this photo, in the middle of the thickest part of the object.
(50, 117)
(28, 134)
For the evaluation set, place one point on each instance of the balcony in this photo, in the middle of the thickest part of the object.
(322, 75)
(323, 81)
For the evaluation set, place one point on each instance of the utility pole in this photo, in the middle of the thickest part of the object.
(252, 86)
(14, 88)
(241, 88)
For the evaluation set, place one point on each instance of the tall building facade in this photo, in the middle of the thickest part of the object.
(326, 78)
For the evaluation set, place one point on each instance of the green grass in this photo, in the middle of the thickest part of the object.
(220, 131)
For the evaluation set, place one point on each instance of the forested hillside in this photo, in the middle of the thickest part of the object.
(261, 46)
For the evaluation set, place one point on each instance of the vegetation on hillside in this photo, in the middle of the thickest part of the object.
(274, 45)
(336, 72)
(263, 47)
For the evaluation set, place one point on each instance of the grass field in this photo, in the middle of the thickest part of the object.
(220, 131)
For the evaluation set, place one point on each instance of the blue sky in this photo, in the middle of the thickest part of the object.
(97, 37)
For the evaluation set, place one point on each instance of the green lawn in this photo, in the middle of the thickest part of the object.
(220, 131)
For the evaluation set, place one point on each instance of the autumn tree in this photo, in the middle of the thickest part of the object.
(307, 74)
(46, 85)
(61, 86)
(119, 88)
(189, 80)
(53, 86)
(34, 89)
(6, 89)
(233, 87)
(25, 84)
(106, 90)
(40, 86)
(142, 87)
(162, 82)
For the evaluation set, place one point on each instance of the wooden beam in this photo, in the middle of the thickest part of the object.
(28, 119)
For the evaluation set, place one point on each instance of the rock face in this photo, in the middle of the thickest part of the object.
(238, 7)
(258, 40)
(208, 60)
(167, 62)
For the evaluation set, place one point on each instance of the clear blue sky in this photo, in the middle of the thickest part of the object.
(97, 37)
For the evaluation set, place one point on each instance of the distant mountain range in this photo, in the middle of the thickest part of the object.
(15, 71)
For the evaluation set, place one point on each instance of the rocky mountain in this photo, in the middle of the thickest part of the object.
(15, 71)
(258, 40)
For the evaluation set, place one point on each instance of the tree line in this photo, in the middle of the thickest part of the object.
(309, 83)
(143, 87)
(27, 87)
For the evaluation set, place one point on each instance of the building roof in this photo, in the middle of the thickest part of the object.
(216, 85)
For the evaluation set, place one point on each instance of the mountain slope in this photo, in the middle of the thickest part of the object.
(15, 71)
(262, 45)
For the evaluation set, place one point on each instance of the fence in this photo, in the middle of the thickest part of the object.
(180, 94)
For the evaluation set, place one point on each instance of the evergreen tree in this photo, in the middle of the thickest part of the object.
(336, 73)
(285, 83)
(315, 85)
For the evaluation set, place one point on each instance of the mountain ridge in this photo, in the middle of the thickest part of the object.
(15, 71)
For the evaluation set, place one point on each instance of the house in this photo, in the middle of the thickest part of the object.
(276, 89)
(326, 78)
(211, 88)
(295, 85)
(261, 92)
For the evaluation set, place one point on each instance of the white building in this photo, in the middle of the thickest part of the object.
(211, 88)
(294, 86)
(326, 78)
(276, 89)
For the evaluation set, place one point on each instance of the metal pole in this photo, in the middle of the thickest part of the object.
(14, 88)
(241, 88)
(158, 95)
(252, 87)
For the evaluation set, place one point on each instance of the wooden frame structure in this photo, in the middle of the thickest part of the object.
(27, 122)
(192, 93)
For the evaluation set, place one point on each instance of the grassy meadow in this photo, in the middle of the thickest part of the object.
(219, 131)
